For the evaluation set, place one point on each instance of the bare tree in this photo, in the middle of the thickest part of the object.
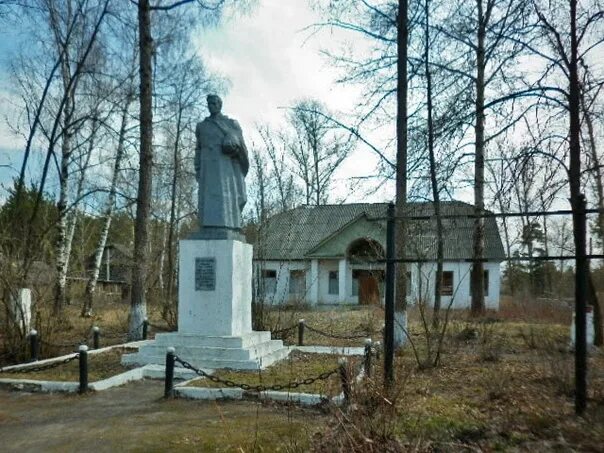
(108, 211)
(275, 144)
(138, 307)
(569, 32)
(318, 148)
(58, 112)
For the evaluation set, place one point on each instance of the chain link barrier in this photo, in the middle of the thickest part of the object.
(257, 388)
(63, 345)
(35, 369)
(337, 336)
(285, 330)
(323, 333)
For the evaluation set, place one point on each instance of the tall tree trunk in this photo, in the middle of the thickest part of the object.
(61, 240)
(400, 308)
(138, 307)
(477, 275)
(433, 178)
(578, 203)
(595, 301)
(109, 207)
(72, 218)
(172, 227)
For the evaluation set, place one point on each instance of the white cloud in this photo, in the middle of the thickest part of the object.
(271, 63)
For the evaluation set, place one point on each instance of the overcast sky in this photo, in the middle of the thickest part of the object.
(271, 60)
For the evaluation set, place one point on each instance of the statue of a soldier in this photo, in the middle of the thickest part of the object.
(221, 164)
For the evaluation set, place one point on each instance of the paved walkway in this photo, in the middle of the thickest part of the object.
(135, 418)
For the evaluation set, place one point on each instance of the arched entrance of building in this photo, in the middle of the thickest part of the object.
(367, 272)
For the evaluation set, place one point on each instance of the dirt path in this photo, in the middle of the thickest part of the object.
(135, 418)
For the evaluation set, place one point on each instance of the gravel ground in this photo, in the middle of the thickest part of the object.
(135, 418)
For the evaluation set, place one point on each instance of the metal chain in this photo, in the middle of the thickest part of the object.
(63, 345)
(321, 332)
(339, 337)
(257, 388)
(284, 330)
(34, 369)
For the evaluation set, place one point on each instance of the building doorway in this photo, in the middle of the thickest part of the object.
(368, 272)
(368, 285)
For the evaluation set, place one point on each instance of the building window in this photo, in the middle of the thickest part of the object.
(334, 283)
(409, 283)
(297, 282)
(268, 282)
(485, 283)
(446, 286)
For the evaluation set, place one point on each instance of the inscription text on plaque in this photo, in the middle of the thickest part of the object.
(205, 274)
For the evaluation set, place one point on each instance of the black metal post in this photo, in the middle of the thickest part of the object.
(33, 345)
(145, 328)
(169, 384)
(96, 337)
(580, 308)
(83, 360)
(343, 364)
(368, 357)
(389, 309)
(301, 332)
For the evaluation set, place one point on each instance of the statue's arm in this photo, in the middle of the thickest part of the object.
(243, 154)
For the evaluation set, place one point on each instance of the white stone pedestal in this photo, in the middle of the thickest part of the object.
(221, 305)
(214, 311)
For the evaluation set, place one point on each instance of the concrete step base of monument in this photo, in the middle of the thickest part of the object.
(251, 351)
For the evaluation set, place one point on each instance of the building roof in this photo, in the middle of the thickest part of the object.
(300, 233)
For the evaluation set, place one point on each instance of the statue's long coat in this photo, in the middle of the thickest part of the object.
(221, 177)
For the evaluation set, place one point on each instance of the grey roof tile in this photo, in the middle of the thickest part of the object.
(291, 235)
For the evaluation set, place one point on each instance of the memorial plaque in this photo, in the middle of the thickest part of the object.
(205, 274)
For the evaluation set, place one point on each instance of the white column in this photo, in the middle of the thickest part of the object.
(313, 289)
(343, 280)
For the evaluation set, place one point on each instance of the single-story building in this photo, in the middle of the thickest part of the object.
(333, 254)
(115, 271)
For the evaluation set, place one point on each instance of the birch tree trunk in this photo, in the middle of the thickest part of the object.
(108, 214)
(66, 144)
(73, 215)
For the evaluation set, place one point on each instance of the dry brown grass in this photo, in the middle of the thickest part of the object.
(523, 400)
(296, 367)
(100, 366)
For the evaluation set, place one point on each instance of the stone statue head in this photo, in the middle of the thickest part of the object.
(214, 103)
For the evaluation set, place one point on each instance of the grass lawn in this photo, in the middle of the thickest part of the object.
(296, 367)
(100, 366)
(364, 322)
